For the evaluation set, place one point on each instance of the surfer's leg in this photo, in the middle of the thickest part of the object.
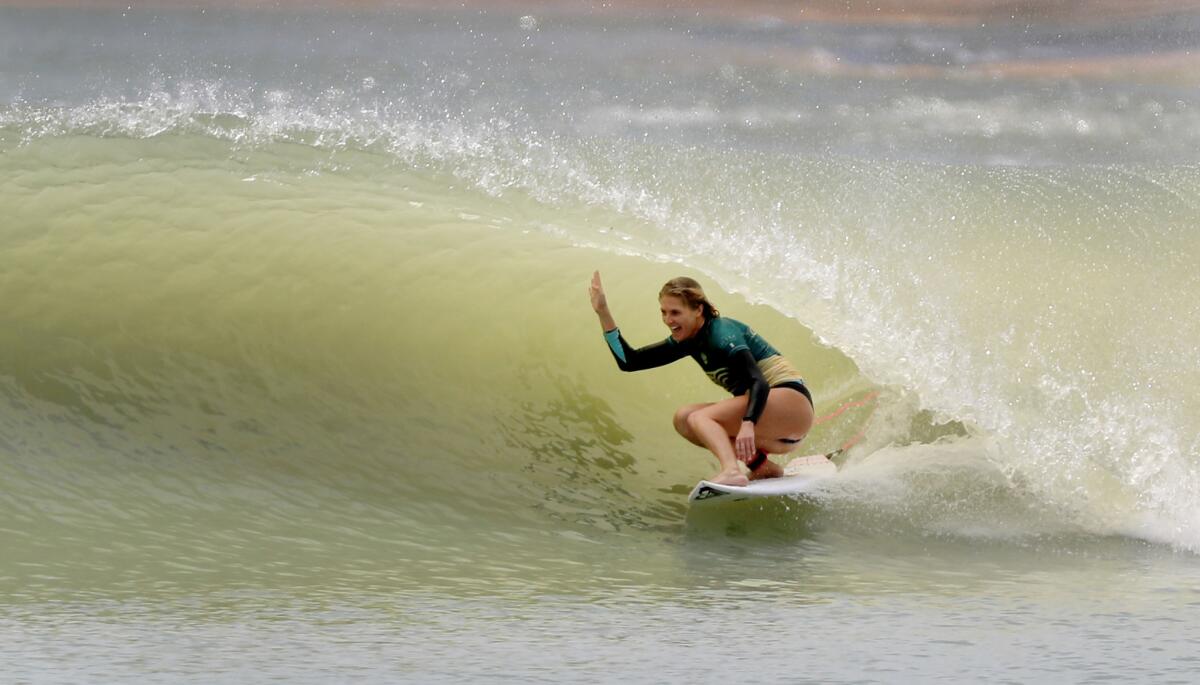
(681, 422)
(785, 421)
(765, 468)
(713, 426)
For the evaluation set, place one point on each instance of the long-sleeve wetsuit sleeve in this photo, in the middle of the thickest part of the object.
(759, 388)
(630, 359)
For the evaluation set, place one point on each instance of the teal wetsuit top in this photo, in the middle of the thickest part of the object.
(730, 352)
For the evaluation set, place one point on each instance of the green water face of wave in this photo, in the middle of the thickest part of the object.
(228, 362)
(219, 367)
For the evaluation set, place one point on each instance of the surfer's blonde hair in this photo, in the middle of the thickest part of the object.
(689, 290)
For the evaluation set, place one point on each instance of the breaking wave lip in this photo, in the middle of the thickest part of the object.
(210, 108)
(363, 118)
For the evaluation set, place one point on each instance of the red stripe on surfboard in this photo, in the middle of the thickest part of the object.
(867, 399)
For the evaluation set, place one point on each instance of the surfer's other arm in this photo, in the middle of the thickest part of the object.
(630, 358)
(757, 390)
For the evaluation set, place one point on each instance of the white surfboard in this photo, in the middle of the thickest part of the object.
(801, 475)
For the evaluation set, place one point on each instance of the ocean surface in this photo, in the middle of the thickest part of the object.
(299, 381)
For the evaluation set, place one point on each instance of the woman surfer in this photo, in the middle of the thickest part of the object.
(771, 409)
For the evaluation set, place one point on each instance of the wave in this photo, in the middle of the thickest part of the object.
(219, 272)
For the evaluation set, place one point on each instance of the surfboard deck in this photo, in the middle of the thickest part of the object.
(801, 475)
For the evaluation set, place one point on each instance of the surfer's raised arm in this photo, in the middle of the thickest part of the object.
(629, 358)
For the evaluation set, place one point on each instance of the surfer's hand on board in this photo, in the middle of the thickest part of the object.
(743, 444)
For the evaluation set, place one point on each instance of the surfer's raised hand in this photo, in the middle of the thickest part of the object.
(600, 303)
(596, 292)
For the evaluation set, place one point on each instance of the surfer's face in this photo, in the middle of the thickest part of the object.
(684, 321)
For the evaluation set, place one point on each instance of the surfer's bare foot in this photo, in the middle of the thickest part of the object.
(730, 478)
(768, 469)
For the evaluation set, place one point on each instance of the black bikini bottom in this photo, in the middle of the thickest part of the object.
(799, 387)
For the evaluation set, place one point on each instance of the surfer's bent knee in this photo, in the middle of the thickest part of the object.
(680, 420)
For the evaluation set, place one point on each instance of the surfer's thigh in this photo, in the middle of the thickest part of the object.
(681, 420)
(727, 412)
(788, 417)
